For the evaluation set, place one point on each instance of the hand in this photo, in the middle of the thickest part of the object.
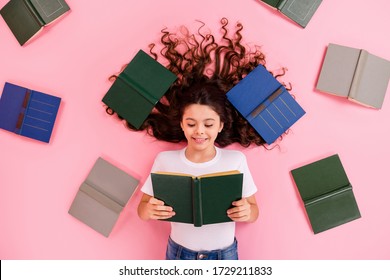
(156, 210)
(241, 212)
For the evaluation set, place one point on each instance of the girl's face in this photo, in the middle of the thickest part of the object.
(201, 126)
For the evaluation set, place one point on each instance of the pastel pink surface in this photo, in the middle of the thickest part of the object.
(73, 60)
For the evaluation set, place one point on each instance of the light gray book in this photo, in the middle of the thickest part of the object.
(102, 196)
(355, 74)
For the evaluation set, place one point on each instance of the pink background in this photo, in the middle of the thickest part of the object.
(73, 59)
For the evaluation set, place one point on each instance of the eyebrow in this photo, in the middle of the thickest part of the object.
(192, 119)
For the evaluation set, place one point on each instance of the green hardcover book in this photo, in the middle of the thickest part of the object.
(326, 193)
(26, 18)
(300, 11)
(198, 200)
(138, 88)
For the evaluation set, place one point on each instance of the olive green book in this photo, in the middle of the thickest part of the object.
(198, 200)
(26, 18)
(326, 193)
(138, 88)
(300, 11)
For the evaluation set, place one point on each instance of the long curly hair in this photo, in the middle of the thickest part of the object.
(206, 71)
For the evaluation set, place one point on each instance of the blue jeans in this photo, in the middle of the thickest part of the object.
(178, 252)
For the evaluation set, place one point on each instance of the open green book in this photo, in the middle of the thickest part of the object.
(138, 88)
(326, 193)
(300, 11)
(198, 200)
(26, 18)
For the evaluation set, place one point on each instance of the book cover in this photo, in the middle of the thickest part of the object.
(326, 193)
(138, 88)
(300, 11)
(355, 74)
(265, 103)
(198, 200)
(28, 112)
(102, 196)
(26, 18)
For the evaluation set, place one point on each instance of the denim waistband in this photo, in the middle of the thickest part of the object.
(177, 252)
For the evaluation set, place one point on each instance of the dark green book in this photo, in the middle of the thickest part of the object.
(326, 193)
(26, 18)
(300, 11)
(138, 88)
(198, 200)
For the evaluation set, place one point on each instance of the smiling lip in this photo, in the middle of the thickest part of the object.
(199, 140)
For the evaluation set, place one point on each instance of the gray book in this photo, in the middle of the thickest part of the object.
(102, 196)
(355, 74)
(300, 11)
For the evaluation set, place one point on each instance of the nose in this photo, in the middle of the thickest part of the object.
(199, 129)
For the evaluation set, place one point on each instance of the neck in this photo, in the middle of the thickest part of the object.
(199, 156)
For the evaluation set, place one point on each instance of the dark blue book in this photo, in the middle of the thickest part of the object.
(28, 112)
(265, 103)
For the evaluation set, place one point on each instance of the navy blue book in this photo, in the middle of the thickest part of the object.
(28, 112)
(265, 104)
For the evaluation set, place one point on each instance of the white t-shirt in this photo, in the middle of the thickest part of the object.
(206, 237)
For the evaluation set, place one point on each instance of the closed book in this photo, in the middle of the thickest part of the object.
(300, 11)
(28, 112)
(138, 88)
(265, 104)
(26, 18)
(102, 196)
(198, 200)
(326, 193)
(355, 74)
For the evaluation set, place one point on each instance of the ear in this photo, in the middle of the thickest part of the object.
(220, 127)
(181, 125)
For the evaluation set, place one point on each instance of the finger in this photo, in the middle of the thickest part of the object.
(156, 201)
(162, 215)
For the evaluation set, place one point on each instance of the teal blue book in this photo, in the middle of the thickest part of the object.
(138, 88)
(265, 104)
(28, 112)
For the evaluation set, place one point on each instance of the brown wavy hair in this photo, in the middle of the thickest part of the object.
(206, 70)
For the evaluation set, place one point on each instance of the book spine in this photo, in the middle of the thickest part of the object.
(101, 198)
(328, 195)
(265, 104)
(281, 4)
(141, 91)
(22, 115)
(353, 90)
(197, 202)
(34, 12)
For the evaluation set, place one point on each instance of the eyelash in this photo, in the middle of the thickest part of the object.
(206, 125)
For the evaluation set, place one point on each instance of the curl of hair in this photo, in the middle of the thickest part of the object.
(206, 71)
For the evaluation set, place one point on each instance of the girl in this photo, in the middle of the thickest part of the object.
(204, 114)
(195, 109)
